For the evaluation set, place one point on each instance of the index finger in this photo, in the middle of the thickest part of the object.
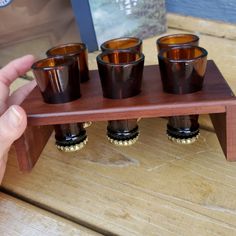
(15, 68)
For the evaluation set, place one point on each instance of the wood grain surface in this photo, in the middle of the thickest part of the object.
(31, 144)
(20, 218)
(154, 187)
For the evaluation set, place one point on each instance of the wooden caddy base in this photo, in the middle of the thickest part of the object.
(215, 99)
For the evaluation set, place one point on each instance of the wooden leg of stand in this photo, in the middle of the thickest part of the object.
(30, 145)
(225, 127)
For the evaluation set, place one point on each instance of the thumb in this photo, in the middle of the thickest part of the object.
(12, 125)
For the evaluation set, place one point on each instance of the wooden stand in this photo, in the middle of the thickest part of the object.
(215, 99)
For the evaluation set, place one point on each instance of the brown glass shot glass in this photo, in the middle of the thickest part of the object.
(57, 79)
(177, 40)
(183, 122)
(77, 50)
(121, 73)
(131, 43)
(182, 72)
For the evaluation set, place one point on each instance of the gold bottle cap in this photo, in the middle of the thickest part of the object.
(184, 140)
(123, 143)
(87, 124)
(73, 148)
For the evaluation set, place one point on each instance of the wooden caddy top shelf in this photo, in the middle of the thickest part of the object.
(216, 99)
(151, 102)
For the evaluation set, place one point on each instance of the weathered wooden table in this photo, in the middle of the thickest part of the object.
(154, 187)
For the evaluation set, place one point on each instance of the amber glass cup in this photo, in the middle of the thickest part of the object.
(131, 43)
(183, 122)
(57, 79)
(77, 50)
(182, 72)
(177, 40)
(121, 73)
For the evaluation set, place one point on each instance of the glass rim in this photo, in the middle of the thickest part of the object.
(67, 61)
(64, 45)
(138, 41)
(99, 57)
(195, 38)
(203, 51)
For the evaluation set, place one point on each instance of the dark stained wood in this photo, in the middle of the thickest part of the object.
(219, 123)
(216, 99)
(231, 133)
(152, 102)
(225, 127)
(30, 145)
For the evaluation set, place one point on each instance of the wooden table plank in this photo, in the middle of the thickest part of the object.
(154, 187)
(20, 218)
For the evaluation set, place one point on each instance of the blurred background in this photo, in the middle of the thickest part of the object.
(32, 27)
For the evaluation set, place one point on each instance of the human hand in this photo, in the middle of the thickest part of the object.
(13, 119)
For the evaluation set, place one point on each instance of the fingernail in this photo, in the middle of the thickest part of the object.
(14, 117)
